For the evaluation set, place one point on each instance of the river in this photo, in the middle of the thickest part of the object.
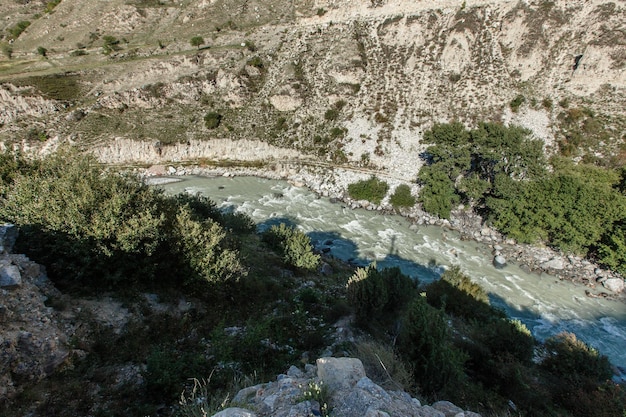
(546, 305)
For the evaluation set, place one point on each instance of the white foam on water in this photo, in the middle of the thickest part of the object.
(612, 326)
(355, 227)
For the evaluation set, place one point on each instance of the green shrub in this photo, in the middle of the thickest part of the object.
(402, 197)
(51, 5)
(367, 293)
(76, 218)
(331, 114)
(256, 62)
(110, 44)
(168, 370)
(78, 52)
(547, 103)
(378, 295)
(373, 190)
(200, 244)
(17, 30)
(250, 45)
(438, 194)
(294, 246)
(425, 342)
(506, 337)
(212, 120)
(459, 296)
(516, 103)
(42, 51)
(574, 361)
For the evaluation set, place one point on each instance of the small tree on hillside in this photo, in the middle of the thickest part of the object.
(197, 41)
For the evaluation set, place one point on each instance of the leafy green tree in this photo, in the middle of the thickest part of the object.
(402, 197)
(438, 194)
(612, 248)
(196, 41)
(42, 51)
(508, 150)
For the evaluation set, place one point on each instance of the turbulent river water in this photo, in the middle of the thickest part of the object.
(546, 305)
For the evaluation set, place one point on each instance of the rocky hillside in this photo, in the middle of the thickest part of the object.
(345, 81)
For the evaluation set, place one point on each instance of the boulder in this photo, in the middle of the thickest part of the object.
(554, 263)
(614, 284)
(235, 412)
(446, 407)
(10, 276)
(499, 261)
(340, 373)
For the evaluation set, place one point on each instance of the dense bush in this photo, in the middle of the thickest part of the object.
(374, 294)
(294, 246)
(459, 296)
(566, 209)
(402, 197)
(575, 361)
(212, 120)
(367, 293)
(425, 342)
(76, 218)
(373, 190)
(517, 102)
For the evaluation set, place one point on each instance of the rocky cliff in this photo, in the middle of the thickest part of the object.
(347, 81)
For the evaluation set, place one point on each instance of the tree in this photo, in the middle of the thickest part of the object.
(402, 197)
(42, 51)
(197, 41)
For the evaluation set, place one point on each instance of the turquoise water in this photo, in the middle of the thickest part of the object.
(546, 305)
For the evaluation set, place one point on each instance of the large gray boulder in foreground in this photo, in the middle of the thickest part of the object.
(339, 386)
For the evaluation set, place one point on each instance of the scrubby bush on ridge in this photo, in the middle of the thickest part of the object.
(75, 217)
(294, 246)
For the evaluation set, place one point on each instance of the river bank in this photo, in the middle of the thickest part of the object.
(332, 183)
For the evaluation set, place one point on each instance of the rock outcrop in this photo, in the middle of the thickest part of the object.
(337, 384)
(32, 344)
